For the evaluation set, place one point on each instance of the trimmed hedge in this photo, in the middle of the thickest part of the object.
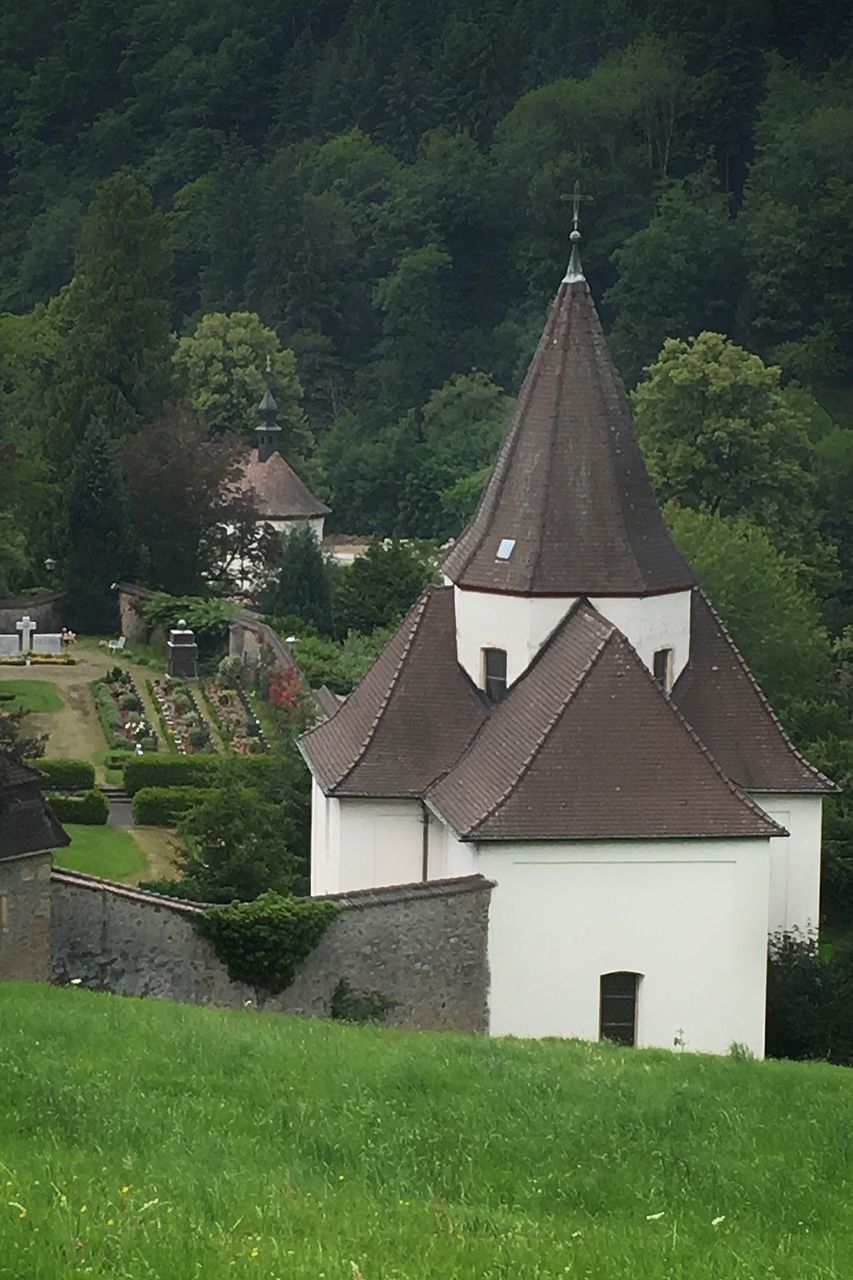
(164, 806)
(169, 771)
(89, 807)
(118, 759)
(68, 775)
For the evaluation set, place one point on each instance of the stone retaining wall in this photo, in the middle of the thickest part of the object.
(45, 611)
(423, 946)
(25, 890)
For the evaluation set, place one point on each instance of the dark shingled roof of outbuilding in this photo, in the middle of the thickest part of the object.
(585, 746)
(569, 484)
(281, 495)
(27, 822)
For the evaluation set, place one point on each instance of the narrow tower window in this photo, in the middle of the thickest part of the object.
(663, 668)
(494, 673)
(617, 1019)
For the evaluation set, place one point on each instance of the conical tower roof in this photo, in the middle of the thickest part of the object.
(569, 509)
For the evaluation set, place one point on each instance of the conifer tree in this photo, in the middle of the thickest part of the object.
(100, 541)
(110, 325)
(303, 587)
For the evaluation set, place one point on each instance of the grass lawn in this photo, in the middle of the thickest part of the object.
(102, 851)
(147, 1139)
(39, 696)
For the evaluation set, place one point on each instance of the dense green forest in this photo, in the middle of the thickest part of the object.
(373, 196)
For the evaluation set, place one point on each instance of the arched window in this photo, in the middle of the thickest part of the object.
(663, 668)
(494, 673)
(617, 1017)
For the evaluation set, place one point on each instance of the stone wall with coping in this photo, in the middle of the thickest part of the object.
(45, 611)
(423, 946)
(25, 893)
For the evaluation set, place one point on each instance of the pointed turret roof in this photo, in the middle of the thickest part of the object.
(569, 509)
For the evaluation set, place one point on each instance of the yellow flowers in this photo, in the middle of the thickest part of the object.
(125, 1190)
(22, 1213)
(253, 1253)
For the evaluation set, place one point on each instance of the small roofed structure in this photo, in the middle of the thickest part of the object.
(29, 832)
(284, 500)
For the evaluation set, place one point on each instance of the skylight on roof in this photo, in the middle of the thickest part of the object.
(505, 548)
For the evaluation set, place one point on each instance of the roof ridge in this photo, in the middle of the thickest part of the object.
(549, 729)
(743, 796)
(417, 611)
(761, 695)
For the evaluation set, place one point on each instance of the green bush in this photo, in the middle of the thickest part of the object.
(169, 771)
(88, 807)
(262, 943)
(67, 775)
(118, 759)
(129, 702)
(163, 806)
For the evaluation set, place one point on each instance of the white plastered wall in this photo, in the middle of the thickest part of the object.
(690, 916)
(794, 861)
(518, 624)
(364, 844)
(522, 624)
(651, 623)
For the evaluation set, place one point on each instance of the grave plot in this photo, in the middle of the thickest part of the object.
(182, 722)
(121, 712)
(234, 718)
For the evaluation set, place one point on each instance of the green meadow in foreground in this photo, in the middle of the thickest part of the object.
(145, 1139)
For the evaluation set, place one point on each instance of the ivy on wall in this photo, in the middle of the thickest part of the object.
(262, 943)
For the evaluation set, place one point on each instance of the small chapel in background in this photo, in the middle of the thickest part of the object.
(568, 717)
(285, 502)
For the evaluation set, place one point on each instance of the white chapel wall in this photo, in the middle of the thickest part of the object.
(522, 624)
(651, 623)
(794, 861)
(518, 624)
(371, 843)
(690, 916)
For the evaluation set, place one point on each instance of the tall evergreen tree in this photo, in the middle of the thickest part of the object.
(100, 541)
(110, 326)
(303, 587)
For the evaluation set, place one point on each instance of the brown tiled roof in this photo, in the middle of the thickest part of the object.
(410, 717)
(569, 484)
(27, 822)
(281, 495)
(585, 746)
(720, 698)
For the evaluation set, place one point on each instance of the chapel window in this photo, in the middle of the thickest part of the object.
(494, 673)
(662, 668)
(617, 1018)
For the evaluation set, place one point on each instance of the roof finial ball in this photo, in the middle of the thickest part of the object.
(574, 271)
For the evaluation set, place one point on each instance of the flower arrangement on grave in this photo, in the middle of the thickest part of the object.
(181, 716)
(121, 712)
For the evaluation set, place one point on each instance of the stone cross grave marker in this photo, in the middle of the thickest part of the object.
(47, 642)
(26, 627)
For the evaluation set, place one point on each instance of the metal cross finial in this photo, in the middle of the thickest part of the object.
(269, 363)
(577, 199)
(574, 271)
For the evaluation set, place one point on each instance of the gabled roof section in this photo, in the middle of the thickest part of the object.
(569, 485)
(281, 495)
(718, 695)
(410, 717)
(27, 822)
(586, 746)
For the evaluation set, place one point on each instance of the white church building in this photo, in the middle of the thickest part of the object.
(568, 717)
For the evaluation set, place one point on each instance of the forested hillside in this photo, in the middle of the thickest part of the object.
(373, 196)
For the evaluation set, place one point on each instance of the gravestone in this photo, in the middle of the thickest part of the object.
(183, 652)
(26, 627)
(10, 646)
(47, 642)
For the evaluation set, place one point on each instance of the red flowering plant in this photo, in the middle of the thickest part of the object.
(289, 701)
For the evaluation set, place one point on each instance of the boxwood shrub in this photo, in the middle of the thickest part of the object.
(88, 807)
(169, 771)
(165, 806)
(67, 775)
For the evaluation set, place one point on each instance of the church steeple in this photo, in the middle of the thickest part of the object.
(569, 509)
(268, 430)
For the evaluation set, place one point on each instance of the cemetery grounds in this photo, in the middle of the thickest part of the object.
(59, 701)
